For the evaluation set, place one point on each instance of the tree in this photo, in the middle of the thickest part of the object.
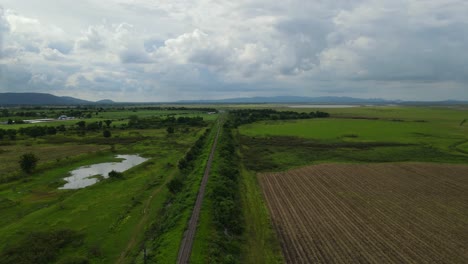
(11, 134)
(133, 120)
(28, 162)
(108, 123)
(175, 185)
(170, 130)
(107, 134)
(81, 124)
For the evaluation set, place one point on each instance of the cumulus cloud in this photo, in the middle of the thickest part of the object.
(162, 50)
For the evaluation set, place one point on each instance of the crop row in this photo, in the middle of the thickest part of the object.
(379, 213)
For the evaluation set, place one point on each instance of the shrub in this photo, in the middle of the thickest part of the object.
(28, 162)
(40, 247)
(115, 174)
(175, 185)
(106, 134)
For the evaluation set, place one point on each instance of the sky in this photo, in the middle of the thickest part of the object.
(169, 50)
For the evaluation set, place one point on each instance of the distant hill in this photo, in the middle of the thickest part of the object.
(105, 101)
(43, 99)
(296, 99)
(321, 100)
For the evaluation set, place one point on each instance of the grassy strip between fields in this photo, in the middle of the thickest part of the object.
(261, 244)
(234, 226)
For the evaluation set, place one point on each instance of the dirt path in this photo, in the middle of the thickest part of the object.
(144, 219)
(189, 235)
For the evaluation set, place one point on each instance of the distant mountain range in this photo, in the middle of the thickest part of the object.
(293, 99)
(318, 100)
(49, 99)
(43, 99)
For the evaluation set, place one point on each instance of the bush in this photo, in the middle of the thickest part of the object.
(175, 185)
(28, 162)
(106, 134)
(40, 247)
(74, 260)
(115, 174)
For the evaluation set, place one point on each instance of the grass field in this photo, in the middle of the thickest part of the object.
(106, 212)
(358, 135)
(111, 218)
(381, 213)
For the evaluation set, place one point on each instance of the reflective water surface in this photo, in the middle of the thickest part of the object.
(83, 176)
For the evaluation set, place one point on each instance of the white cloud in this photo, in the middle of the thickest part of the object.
(163, 49)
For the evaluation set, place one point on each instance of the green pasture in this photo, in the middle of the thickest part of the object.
(367, 134)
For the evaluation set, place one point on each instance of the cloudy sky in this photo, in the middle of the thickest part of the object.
(165, 50)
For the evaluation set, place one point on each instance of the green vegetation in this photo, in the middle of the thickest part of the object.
(260, 242)
(28, 162)
(221, 240)
(41, 247)
(234, 225)
(356, 135)
(246, 116)
(165, 234)
(111, 218)
(141, 215)
(115, 174)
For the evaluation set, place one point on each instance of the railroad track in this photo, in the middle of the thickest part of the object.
(187, 242)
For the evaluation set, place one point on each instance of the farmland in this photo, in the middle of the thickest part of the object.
(387, 184)
(376, 184)
(380, 213)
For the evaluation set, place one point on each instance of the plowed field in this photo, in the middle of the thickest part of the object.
(378, 213)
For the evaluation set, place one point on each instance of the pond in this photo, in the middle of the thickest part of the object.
(88, 175)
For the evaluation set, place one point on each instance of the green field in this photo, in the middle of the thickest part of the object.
(110, 220)
(121, 220)
(379, 134)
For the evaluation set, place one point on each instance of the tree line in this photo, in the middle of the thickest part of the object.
(247, 116)
(157, 122)
(187, 163)
(226, 203)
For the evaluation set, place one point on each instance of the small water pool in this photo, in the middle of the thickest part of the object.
(85, 176)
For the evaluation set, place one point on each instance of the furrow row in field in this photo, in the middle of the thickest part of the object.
(333, 226)
(389, 227)
(288, 239)
(380, 213)
(351, 221)
(295, 196)
(422, 219)
(415, 229)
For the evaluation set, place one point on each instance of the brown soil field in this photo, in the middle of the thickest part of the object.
(376, 213)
